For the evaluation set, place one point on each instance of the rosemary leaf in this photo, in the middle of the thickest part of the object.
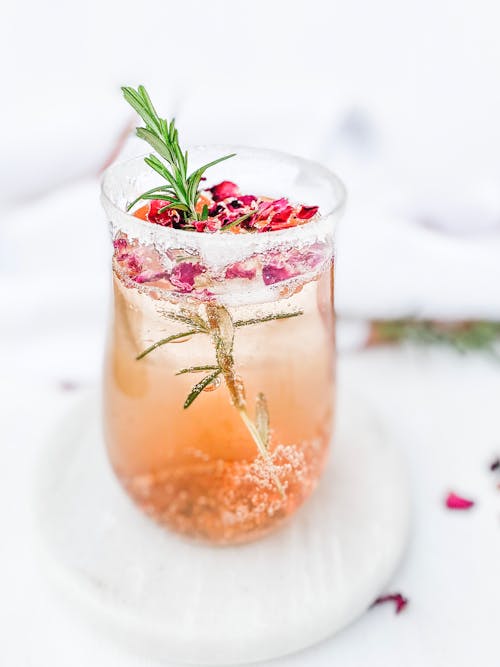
(237, 221)
(155, 142)
(159, 191)
(179, 206)
(267, 318)
(252, 429)
(192, 319)
(196, 369)
(164, 341)
(199, 387)
(262, 419)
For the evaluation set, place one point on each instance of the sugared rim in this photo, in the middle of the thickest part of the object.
(182, 237)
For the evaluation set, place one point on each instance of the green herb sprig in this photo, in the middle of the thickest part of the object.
(463, 336)
(181, 191)
(220, 326)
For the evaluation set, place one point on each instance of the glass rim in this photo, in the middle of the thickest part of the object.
(170, 235)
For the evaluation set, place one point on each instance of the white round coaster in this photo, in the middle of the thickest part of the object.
(180, 601)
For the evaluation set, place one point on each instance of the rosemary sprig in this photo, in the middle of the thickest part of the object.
(221, 328)
(181, 191)
(200, 326)
(463, 336)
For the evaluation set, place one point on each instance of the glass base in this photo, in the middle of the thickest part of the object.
(176, 600)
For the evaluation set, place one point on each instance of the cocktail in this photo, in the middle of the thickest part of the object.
(219, 378)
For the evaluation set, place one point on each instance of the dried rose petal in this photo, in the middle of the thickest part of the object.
(282, 215)
(454, 502)
(150, 276)
(213, 224)
(183, 275)
(306, 212)
(168, 218)
(224, 190)
(266, 208)
(495, 465)
(200, 225)
(241, 270)
(246, 200)
(120, 244)
(273, 273)
(313, 258)
(399, 600)
(133, 263)
(68, 385)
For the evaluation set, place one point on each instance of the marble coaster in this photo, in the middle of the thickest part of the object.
(183, 602)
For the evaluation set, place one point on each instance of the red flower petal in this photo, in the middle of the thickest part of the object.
(399, 600)
(168, 218)
(454, 502)
(282, 215)
(266, 208)
(246, 200)
(184, 274)
(306, 212)
(224, 190)
(200, 225)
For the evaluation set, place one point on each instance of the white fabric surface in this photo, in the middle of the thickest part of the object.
(441, 408)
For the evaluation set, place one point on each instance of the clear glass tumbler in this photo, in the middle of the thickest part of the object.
(219, 376)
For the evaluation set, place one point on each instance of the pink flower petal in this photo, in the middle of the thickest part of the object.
(68, 385)
(455, 502)
(134, 264)
(150, 276)
(183, 275)
(273, 273)
(213, 224)
(306, 212)
(120, 244)
(241, 270)
(399, 600)
(224, 190)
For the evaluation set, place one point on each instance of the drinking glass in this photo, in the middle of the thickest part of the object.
(219, 376)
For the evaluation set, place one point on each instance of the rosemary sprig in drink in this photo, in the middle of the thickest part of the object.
(221, 328)
(181, 191)
(181, 194)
